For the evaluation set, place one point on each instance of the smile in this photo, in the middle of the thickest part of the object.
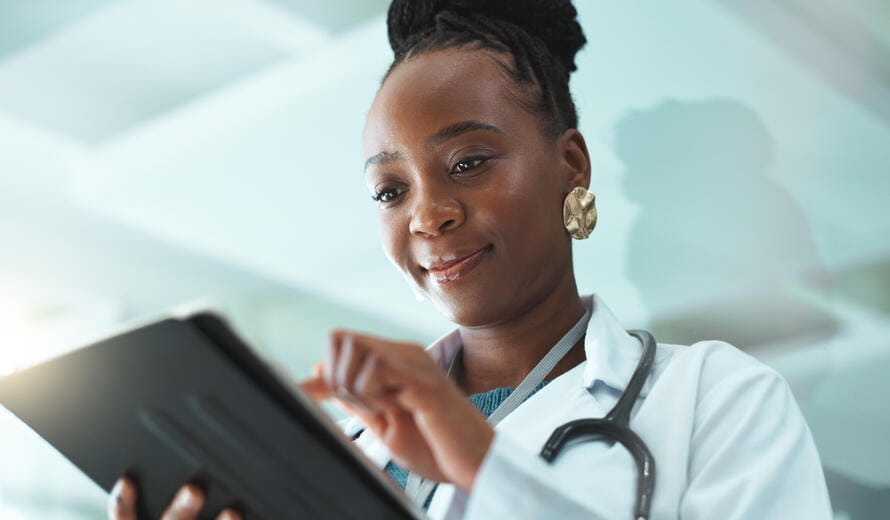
(459, 268)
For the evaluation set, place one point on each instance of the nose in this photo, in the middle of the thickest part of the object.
(435, 212)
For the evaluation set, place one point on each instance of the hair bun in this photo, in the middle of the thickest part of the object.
(553, 21)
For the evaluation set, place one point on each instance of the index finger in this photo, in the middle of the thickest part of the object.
(317, 388)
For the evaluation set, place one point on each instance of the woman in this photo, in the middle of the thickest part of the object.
(472, 155)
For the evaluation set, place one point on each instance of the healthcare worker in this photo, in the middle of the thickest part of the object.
(479, 172)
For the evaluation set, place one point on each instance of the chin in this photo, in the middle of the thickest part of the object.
(471, 308)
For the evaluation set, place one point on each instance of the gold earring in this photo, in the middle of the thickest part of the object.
(579, 213)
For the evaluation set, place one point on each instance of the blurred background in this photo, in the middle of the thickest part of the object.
(156, 151)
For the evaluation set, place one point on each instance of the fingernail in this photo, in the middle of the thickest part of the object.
(229, 514)
(116, 490)
(185, 497)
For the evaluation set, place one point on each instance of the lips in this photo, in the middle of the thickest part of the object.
(453, 266)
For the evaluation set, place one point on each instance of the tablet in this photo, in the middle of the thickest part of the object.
(183, 399)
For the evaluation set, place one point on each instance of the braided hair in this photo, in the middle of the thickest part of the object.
(541, 36)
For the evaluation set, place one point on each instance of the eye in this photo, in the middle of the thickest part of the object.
(467, 164)
(386, 195)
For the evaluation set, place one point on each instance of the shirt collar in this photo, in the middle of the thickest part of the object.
(612, 354)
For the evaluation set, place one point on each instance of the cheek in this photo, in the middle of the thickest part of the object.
(533, 211)
(393, 239)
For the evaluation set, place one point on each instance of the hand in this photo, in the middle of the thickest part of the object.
(186, 505)
(405, 398)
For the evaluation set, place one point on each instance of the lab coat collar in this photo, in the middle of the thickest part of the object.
(612, 353)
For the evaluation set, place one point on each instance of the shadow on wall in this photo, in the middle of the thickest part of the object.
(858, 501)
(716, 237)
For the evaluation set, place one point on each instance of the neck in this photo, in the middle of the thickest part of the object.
(502, 355)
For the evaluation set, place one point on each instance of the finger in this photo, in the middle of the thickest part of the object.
(381, 422)
(369, 345)
(348, 362)
(122, 500)
(333, 354)
(185, 505)
(317, 388)
(352, 355)
(229, 514)
(371, 382)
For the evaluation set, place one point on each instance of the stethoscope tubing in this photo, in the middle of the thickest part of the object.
(615, 426)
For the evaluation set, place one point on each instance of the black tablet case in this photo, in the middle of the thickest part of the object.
(184, 400)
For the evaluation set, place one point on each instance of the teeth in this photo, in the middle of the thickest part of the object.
(456, 270)
(452, 263)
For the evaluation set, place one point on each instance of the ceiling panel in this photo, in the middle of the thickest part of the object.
(126, 64)
(23, 23)
(335, 15)
(844, 44)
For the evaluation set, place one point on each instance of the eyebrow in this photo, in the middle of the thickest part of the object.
(382, 158)
(443, 135)
(452, 131)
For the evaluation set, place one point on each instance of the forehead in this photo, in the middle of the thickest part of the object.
(435, 89)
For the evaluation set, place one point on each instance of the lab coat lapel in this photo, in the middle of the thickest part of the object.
(612, 353)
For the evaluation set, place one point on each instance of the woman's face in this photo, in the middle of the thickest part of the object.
(470, 189)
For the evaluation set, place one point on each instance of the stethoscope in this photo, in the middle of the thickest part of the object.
(614, 427)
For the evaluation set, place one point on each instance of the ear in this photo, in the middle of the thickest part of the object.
(575, 159)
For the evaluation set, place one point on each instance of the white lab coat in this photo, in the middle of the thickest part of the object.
(728, 439)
